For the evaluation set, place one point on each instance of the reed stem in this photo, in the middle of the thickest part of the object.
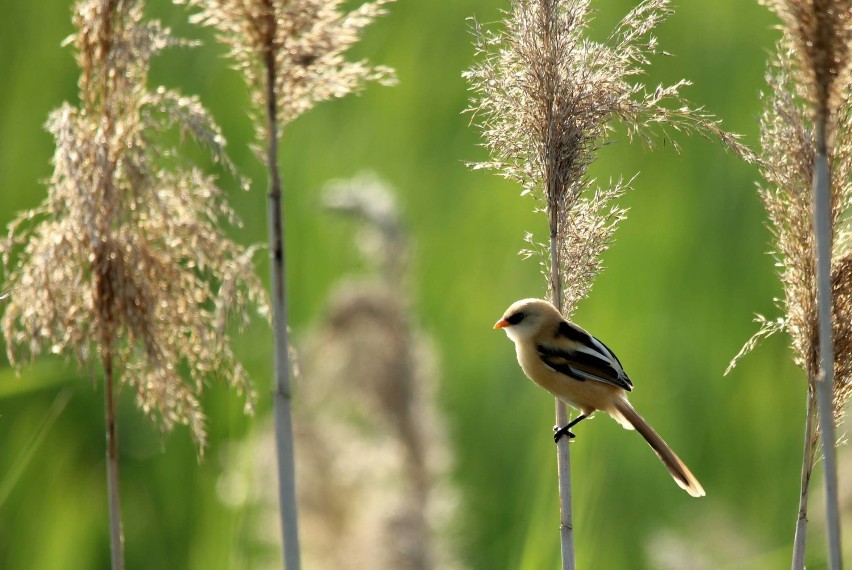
(825, 380)
(116, 538)
(800, 538)
(282, 393)
(563, 452)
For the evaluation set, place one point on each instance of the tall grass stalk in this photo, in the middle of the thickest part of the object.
(805, 135)
(820, 32)
(18, 467)
(825, 382)
(291, 56)
(379, 422)
(810, 447)
(563, 449)
(282, 394)
(116, 536)
(124, 264)
(546, 99)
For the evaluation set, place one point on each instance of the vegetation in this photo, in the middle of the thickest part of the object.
(548, 99)
(686, 271)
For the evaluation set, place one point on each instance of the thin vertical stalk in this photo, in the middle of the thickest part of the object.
(546, 97)
(282, 395)
(103, 293)
(563, 452)
(825, 380)
(116, 538)
(800, 538)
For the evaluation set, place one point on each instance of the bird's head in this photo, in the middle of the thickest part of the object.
(525, 318)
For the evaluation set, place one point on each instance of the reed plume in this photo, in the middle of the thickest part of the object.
(805, 163)
(547, 98)
(291, 55)
(375, 492)
(294, 51)
(786, 166)
(373, 455)
(817, 35)
(124, 263)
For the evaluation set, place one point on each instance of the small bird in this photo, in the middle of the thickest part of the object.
(581, 371)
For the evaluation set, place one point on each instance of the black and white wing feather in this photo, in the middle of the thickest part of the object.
(583, 357)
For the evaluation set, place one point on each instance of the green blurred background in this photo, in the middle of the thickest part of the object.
(682, 281)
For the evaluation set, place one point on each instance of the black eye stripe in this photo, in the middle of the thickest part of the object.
(515, 318)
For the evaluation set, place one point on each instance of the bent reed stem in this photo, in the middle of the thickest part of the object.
(800, 539)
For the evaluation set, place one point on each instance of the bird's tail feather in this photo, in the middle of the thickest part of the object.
(679, 471)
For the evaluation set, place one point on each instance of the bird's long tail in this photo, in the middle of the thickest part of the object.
(679, 471)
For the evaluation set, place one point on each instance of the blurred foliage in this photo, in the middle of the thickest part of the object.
(686, 272)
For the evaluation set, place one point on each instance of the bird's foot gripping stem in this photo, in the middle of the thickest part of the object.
(558, 432)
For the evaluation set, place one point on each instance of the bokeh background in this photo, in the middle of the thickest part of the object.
(687, 271)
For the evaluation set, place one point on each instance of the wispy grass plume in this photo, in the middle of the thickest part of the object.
(806, 163)
(373, 453)
(787, 165)
(547, 98)
(376, 493)
(819, 33)
(299, 45)
(124, 263)
(291, 55)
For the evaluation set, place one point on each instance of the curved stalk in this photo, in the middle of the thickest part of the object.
(807, 468)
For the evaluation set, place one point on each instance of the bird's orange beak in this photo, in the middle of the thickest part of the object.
(502, 323)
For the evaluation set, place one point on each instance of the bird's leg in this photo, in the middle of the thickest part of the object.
(566, 430)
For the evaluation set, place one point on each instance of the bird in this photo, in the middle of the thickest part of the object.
(583, 372)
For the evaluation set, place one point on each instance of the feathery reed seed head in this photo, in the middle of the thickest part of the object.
(787, 165)
(819, 36)
(373, 454)
(547, 97)
(302, 41)
(124, 259)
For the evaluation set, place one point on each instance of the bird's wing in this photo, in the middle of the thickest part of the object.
(579, 355)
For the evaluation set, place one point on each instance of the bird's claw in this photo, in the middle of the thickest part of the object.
(558, 432)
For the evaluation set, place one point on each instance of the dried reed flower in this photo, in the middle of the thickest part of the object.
(291, 54)
(302, 41)
(375, 493)
(546, 100)
(124, 260)
(806, 162)
(819, 37)
(373, 453)
(693, 542)
(381, 238)
(787, 166)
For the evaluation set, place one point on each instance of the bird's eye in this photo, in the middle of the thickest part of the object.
(515, 318)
